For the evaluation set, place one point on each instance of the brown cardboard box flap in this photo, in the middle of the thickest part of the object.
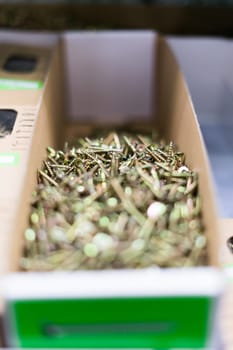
(178, 122)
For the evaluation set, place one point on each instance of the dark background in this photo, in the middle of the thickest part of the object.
(180, 17)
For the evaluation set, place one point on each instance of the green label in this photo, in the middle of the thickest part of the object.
(13, 84)
(162, 322)
(8, 159)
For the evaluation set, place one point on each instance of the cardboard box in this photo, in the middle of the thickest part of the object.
(121, 77)
(22, 73)
(20, 97)
(23, 70)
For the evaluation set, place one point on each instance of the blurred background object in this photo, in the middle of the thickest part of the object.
(167, 16)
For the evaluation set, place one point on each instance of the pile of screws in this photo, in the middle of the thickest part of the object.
(119, 201)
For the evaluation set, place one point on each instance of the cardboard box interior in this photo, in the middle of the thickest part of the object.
(66, 104)
(133, 80)
(152, 80)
